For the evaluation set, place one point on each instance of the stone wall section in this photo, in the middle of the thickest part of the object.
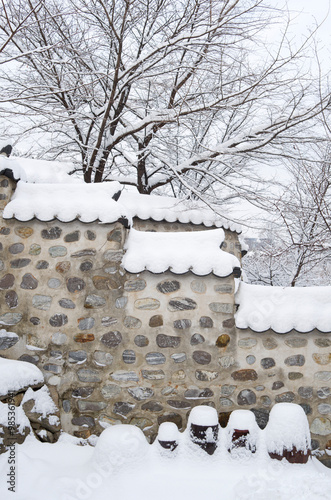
(142, 349)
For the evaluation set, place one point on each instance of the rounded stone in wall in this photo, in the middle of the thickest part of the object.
(250, 359)
(321, 426)
(75, 285)
(121, 302)
(269, 343)
(206, 322)
(226, 402)
(5, 231)
(77, 356)
(156, 321)
(148, 304)
(197, 339)
(294, 375)
(82, 392)
(322, 342)
(63, 267)
(90, 235)
(266, 401)
(94, 301)
(11, 299)
(110, 391)
(132, 322)
(182, 304)
(102, 358)
(246, 397)
(24, 232)
(10, 319)
(322, 359)
(206, 375)
(285, 397)
(86, 252)
(179, 357)
(111, 339)
(296, 360)
(42, 264)
(57, 251)
(324, 392)
(71, 237)
(247, 343)
(83, 338)
(129, 356)
(88, 375)
(54, 283)
(7, 341)
(42, 302)
(7, 281)
(296, 342)
(58, 320)
(59, 338)
(16, 248)
(182, 324)
(141, 341)
(51, 234)
(202, 357)
(2, 265)
(134, 285)
(305, 392)
(67, 304)
(163, 340)
(268, 363)
(83, 421)
(123, 408)
(86, 266)
(168, 286)
(244, 375)
(228, 323)
(29, 282)
(223, 340)
(219, 307)
(277, 385)
(155, 358)
(35, 249)
(115, 235)
(35, 321)
(198, 286)
(86, 323)
(141, 393)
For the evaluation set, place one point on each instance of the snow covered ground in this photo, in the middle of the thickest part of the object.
(123, 466)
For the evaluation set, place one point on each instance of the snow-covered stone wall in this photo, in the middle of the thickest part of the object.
(145, 347)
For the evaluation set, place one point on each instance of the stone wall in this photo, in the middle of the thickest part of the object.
(142, 349)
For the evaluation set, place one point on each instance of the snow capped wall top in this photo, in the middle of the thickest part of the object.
(165, 208)
(39, 175)
(66, 202)
(283, 309)
(40, 171)
(197, 251)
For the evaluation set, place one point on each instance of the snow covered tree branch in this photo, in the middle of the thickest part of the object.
(162, 94)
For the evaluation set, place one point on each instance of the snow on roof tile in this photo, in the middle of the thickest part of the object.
(283, 309)
(165, 208)
(179, 252)
(40, 171)
(66, 202)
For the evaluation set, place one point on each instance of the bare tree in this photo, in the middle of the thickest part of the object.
(162, 94)
(11, 26)
(296, 247)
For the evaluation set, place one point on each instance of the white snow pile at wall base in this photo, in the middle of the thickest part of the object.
(196, 251)
(283, 309)
(17, 375)
(65, 202)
